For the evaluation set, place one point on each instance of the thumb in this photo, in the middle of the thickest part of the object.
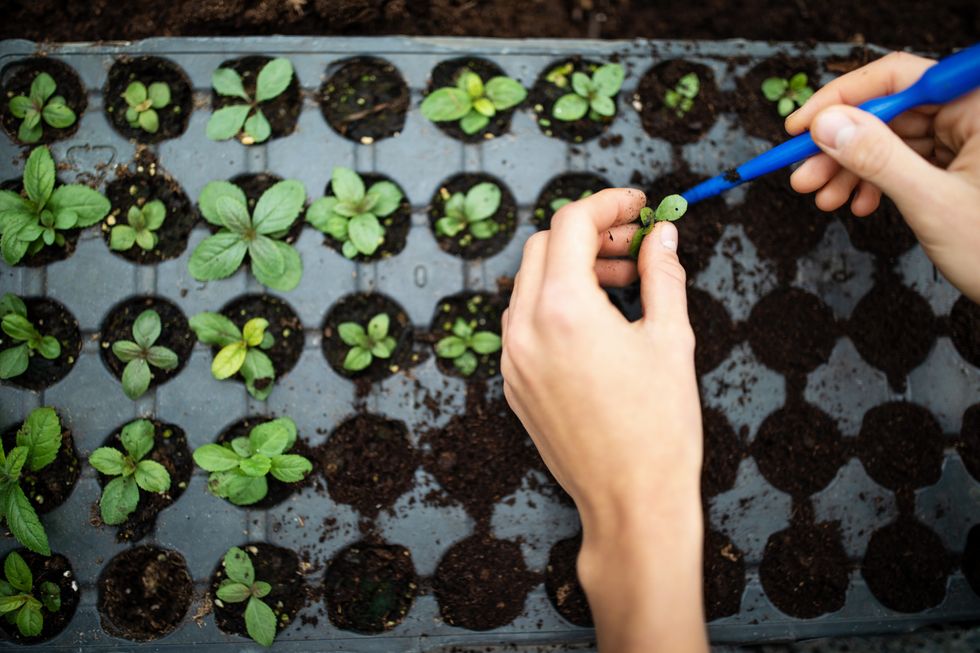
(867, 147)
(663, 282)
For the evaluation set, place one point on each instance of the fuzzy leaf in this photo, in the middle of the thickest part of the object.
(146, 328)
(351, 333)
(162, 358)
(58, 115)
(241, 446)
(90, 206)
(159, 94)
(152, 476)
(378, 326)
(292, 270)
(387, 196)
(672, 207)
(43, 86)
(582, 84)
(232, 592)
(14, 463)
(136, 378)
(257, 127)
(260, 622)
(255, 465)
(216, 458)
(267, 259)
(608, 79)
(39, 176)
(473, 122)
(347, 185)
(122, 237)
(233, 215)
(357, 359)
(23, 521)
(30, 621)
(261, 588)
(215, 329)
(108, 460)
(135, 94)
(19, 105)
(485, 342)
(366, 233)
(41, 434)
(242, 490)
(215, 190)
(51, 596)
(258, 373)
(17, 572)
(9, 604)
(450, 347)
(269, 438)
(126, 350)
(484, 229)
(227, 121)
(11, 303)
(137, 438)
(228, 82)
(149, 121)
(19, 328)
(321, 212)
(273, 79)
(228, 361)
(279, 207)
(217, 256)
(774, 87)
(504, 92)
(570, 107)
(482, 201)
(604, 106)
(785, 106)
(254, 331)
(290, 468)
(446, 104)
(119, 499)
(484, 107)
(238, 566)
(466, 363)
(14, 361)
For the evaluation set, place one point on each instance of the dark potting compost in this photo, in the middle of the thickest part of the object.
(54, 569)
(51, 318)
(149, 70)
(562, 584)
(369, 588)
(364, 99)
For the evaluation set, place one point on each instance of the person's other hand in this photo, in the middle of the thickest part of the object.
(928, 161)
(613, 409)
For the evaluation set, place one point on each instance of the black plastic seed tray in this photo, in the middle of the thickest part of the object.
(835, 271)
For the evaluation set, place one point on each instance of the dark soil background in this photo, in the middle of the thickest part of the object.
(921, 25)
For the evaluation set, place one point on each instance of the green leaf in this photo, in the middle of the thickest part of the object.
(484, 107)
(119, 499)
(608, 79)
(162, 358)
(773, 88)
(689, 85)
(23, 521)
(17, 572)
(233, 592)
(273, 79)
(269, 438)
(803, 95)
(604, 106)
(30, 622)
(30, 130)
(216, 458)
(255, 465)
(450, 347)
(292, 271)
(214, 191)
(14, 361)
(241, 446)
(19, 328)
(15, 462)
(51, 596)
(320, 214)
(152, 476)
(798, 81)
(290, 426)
(473, 122)
(121, 238)
(226, 122)
(238, 566)
(137, 438)
(257, 126)
(387, 198)
(672, 207)
(90, 206)
(378, 326)
(785, 106)
(39, 176)
(228, 82)
(242, 490)
(258, 374)
(19, 106)
(229, 360)
(233, 215)
(41, 434)
(267, 260)
(136, 378)
(146, 328)
(158, 94)
(149, 121)
(582, 84)
(462, 328)
(261, 588)
(485, 342)
(446, 104)
(135, 94)
(9, 604)
(49, 347)
(254, 331)
(217, 256)
(108, 460)
(215, 329)
(126, 350)
(42, 87)
(11, 303)
(290, 468)
(155, 212)
(357, 359)
(449, 226)
(260, 622)
(366, 233)
(66, 219)
(505, 92)
(351, 333)
(347, 185)
(466, 363)
(471, 83)
(570, 107)
(279, 207)
(484, 229)
(482, 201)
(348, 249)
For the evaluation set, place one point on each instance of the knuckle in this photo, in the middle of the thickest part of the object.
(557, 311)
(536, 242)
(870, 156)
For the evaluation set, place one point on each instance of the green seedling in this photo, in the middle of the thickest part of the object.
(275, 264)
(141, 230)
(366, 345)
(465, 343)
(140, 354)
(227, 122)
(36, 447)
(559, 202)
(132, 473)
(239, 468)
(28, 340)
(351, 215)
(18, 604)
(592, 95)
(681, 97)
(29, 223)
(241, 586)
(787, 93)
(671, 208)
(41, 105)
(144, 101)
(471, 211)
(241, 350)
(472, 102)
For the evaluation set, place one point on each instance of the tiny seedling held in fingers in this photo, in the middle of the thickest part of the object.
(681, 98)
(465, 343)
(143, 223)
(15, 323)
(20, 604)
(591, 95)
(241, 586)
(671, 208)
(366, 344)
(472, 211)
(352, 214)
(37, 445)
(144, 102)
(241, 350)
(239, 468)
(246, 116)
(140, 354)
(41, 106)
(788, 94)
(472, 102)
(132, 473)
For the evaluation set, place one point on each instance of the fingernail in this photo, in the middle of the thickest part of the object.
(668, 236)
(834, 129)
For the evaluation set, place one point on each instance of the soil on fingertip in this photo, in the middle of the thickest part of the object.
(906, 566)
(569, 186)
(724, 576)
(757, 115)
(659, 120)
(148, 70)
(364, 99)
(18, 78)
(901, 446)
(446, 73)
(284, 325)
(464, 244)
(48, 569)
(50, 318)
(562, 584)
(370, 587)
(482, 312)
(544, 94)
(50, 486)
(360, 308)
(282, 111)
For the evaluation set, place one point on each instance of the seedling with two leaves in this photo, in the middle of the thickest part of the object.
(788, 94)
(241, 350)
(672, 207)
(15, 323)
(472, 102)
(239, 468)
(131, 470)
(274, 263)
(41, 106)
(140, 354)
(273, 79)
(352, 214)
(465, 343)
(29, 223)
(143, 103)
(241, 586)
(366, 345)
(592, 95)
(143, 224)
(36, 447)
(472, 211)
(681, 98)
(18, 603)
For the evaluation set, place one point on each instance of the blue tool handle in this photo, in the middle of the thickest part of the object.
(952, 77)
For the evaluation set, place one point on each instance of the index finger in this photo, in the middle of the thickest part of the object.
(574, 242)
(890, 74)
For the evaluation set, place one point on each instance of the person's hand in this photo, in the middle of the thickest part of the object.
(928, 162)
(613, 409)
